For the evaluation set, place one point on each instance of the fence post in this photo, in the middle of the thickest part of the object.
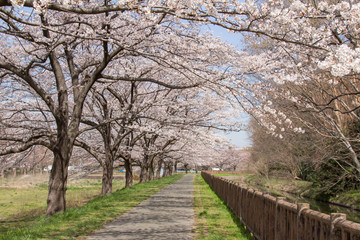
(300, 226)
(278, 219)
(335, 217)
(264, 217)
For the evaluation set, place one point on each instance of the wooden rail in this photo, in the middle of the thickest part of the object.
(271, 218)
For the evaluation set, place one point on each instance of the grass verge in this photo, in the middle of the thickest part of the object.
(350, 197)
(81, 221)
(19, 206)
(229, 174)
(214, 220)
(273, 185)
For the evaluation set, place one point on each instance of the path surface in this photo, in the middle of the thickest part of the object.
(166, 215)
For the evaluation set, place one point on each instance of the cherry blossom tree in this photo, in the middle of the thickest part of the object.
(312, 82)
(102, 116)
(232, 159)
(50, 70)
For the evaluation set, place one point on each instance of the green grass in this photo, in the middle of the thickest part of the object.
(80, 221)
(274, 185)
(229, 174)
(350, 198)
(214, 219)
(19, 206)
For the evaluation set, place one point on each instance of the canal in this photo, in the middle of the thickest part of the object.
(324, 207)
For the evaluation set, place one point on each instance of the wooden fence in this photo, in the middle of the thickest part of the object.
(271, 218)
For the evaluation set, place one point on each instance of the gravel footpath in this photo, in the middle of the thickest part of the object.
(167, 214)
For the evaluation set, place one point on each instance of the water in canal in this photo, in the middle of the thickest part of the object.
(324, 207)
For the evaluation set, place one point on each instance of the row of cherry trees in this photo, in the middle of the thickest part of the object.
(121, 85)
(150, 126)
(64, 62)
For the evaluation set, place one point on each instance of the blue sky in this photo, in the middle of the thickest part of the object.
(232, 38)
(240, 139)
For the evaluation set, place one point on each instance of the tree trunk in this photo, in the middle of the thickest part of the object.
(165, 173)
(175, 166)
(128, 174)
(144, 172)
(56, 201)
(353, 154)
(151, 174)
(107, 178)
(62, 151)
(14, 172)
(346, 142)
(170, 169)
(158, 169)
(108, 165)
(151, 169)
